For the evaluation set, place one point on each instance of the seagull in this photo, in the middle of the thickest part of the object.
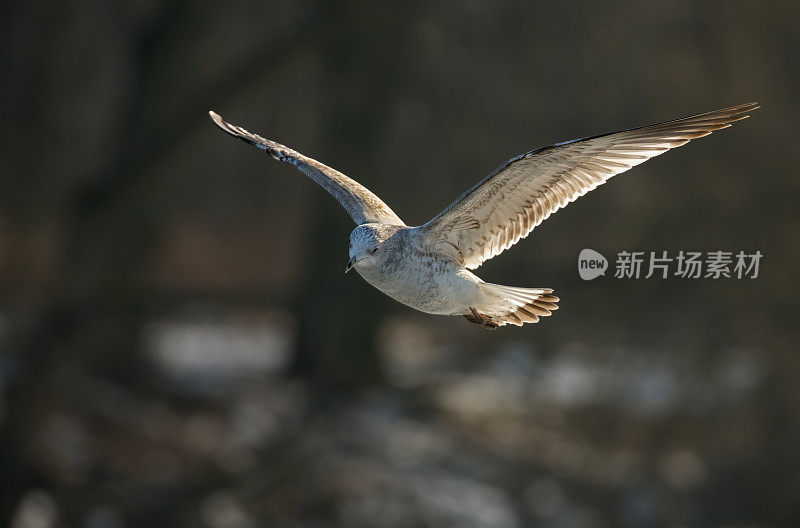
(427, 267)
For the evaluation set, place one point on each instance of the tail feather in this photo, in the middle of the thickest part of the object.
(517, 306)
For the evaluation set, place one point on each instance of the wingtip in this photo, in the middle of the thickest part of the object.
(217, 119)
(749, 107)
(745, 109)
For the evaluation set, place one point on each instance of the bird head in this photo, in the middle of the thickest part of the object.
(364, 244)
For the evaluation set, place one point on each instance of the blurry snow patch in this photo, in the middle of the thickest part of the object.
(431, 498)
(650, 386)
(204, 354)
(569, 378)
(260, 415)
(514, 358)
(483, 394)
(380, 468)
(387, 435)
(37, 509)
(644, 382)
(457, 501)
(640, 382)
(409, 355)
(409, 443)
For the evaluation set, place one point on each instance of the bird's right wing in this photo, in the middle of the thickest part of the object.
(362, 204)
(505, 206)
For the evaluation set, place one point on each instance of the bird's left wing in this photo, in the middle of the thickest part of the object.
(363, 206)
(506, 205)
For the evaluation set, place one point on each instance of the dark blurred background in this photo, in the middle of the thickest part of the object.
(179, 346)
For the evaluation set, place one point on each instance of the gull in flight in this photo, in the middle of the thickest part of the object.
(428, 267)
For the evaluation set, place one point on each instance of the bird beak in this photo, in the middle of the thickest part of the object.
(349, 265)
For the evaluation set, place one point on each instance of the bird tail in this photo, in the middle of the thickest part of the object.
(516, 306)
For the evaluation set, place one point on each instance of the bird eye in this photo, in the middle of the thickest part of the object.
(374, 250)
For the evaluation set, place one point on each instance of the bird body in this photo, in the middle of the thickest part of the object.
(401, 262)
(428, 267)
(402, 267)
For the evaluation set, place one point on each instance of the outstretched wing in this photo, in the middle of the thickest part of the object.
(362, 205)
(506, 205)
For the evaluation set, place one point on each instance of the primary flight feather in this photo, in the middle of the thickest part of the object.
(427, 267)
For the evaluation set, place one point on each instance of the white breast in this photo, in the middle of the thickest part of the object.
(430, 283)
